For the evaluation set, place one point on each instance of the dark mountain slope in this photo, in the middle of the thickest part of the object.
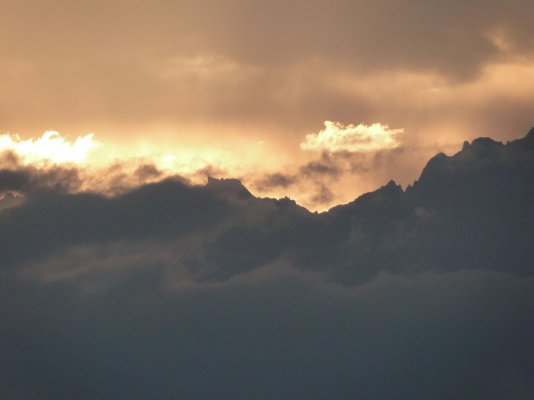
(473, 210)
(174, 291)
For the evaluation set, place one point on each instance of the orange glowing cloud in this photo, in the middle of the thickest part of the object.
(336, 137)
(51, 147)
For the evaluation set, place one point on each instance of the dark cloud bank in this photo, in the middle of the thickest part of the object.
(172, 291)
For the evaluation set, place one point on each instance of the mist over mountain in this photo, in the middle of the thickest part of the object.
(201, 292)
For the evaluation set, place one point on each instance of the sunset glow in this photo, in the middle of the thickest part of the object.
(51, 147)
(337, 137)
(266, 199)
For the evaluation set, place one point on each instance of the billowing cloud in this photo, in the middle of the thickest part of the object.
(51, 147)
(336, 137)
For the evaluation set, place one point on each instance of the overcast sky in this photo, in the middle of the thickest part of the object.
(232, 88)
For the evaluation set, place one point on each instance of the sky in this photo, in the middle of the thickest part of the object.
(266, 200)
(320, 101)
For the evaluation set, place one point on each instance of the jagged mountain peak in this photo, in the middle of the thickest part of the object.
(481, 152)
(228, 187)
(481, 145)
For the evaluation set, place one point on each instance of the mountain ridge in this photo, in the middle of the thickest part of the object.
(173, 290)
(471, 210)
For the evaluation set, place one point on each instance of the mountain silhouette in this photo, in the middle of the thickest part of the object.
(472, 210)
(173, 290)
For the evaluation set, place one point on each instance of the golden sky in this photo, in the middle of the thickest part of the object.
(317, 100)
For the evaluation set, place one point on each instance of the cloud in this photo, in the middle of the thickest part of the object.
(469, 197)
(311, 182)
(51, 147)
(18, 178)
(453, 41)
(336, 137)
(147, 172)
(276, 180)
(323, 196)
(327, 166)
(205, 64)
(439, 72)
(275, 332)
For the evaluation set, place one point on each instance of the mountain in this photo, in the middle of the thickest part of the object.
(472, 210)
(174, 291)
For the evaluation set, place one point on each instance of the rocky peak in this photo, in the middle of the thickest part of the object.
(228, 187)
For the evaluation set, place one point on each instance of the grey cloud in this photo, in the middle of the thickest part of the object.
(271, 336)
(13, 180)
(154, 211)
(17, 178)
(284, 61)
(212, 171)
(323, 196)
(276, 180)
(325, 166)
(148, 171)
(318, 174)
(450, 37)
